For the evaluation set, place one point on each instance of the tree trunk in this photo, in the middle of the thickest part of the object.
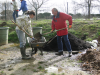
(89, 7)
(36, 14)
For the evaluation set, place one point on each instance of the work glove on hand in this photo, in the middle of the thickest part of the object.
(17, 10)
(70, 26)
(32, 38)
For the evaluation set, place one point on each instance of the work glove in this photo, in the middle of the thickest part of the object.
(70, 26)
(17, 10)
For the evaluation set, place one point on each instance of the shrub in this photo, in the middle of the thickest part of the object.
(12, 37)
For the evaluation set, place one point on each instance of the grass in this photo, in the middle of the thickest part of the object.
(24, 69)
(41, 62)
(79, 61)
(40, 67)
(34, 70)
(12, 74)
(2, 73)
(53, 74)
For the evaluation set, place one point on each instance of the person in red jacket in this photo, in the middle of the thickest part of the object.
(59, 22)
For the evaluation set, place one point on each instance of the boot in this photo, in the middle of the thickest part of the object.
(23, 53)
(70, 54)
(59, 53)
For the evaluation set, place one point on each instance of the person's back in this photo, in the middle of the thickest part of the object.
(15, 5)
(23, 6)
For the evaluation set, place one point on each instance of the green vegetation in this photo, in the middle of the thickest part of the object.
(40, 68)
(41, 62)
(24, 69)
(53, 74)
(79, 61)
(34, 70)
(2, 73)
(12, 74)
(12, 37)
(80, 27)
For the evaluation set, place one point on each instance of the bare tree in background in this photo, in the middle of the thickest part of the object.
(87, 4)
(37, 4)
(9, 11)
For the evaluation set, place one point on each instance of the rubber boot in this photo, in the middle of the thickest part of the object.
(70, 54)
(59, 53)
(23, 53)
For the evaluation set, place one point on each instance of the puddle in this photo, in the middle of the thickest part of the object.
(52, 69)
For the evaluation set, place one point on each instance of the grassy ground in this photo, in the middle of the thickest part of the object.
(80, 27)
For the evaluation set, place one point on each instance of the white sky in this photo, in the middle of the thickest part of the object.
(59, 4)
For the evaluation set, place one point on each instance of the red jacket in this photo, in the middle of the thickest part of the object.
(60, 22)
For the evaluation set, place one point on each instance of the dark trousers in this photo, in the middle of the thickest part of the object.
(15, 15)
(66, 41)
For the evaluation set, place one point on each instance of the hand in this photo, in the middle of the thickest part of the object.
(70, 26)
(30, 36)
(17, 10)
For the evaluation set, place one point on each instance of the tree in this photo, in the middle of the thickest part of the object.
(87, 5)
(8, 10)
(9, 14)
(37, 4)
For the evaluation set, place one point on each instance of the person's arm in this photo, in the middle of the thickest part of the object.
(22, 5)
(67, 17)
(30, 29)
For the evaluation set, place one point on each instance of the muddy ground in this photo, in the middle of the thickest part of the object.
(12, 64)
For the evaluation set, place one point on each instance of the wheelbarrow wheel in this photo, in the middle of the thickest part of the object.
(34, 51)
(41, 51)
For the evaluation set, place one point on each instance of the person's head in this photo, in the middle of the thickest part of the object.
(13, 0)
(21, 0)
(31, 14)
(54, 11)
